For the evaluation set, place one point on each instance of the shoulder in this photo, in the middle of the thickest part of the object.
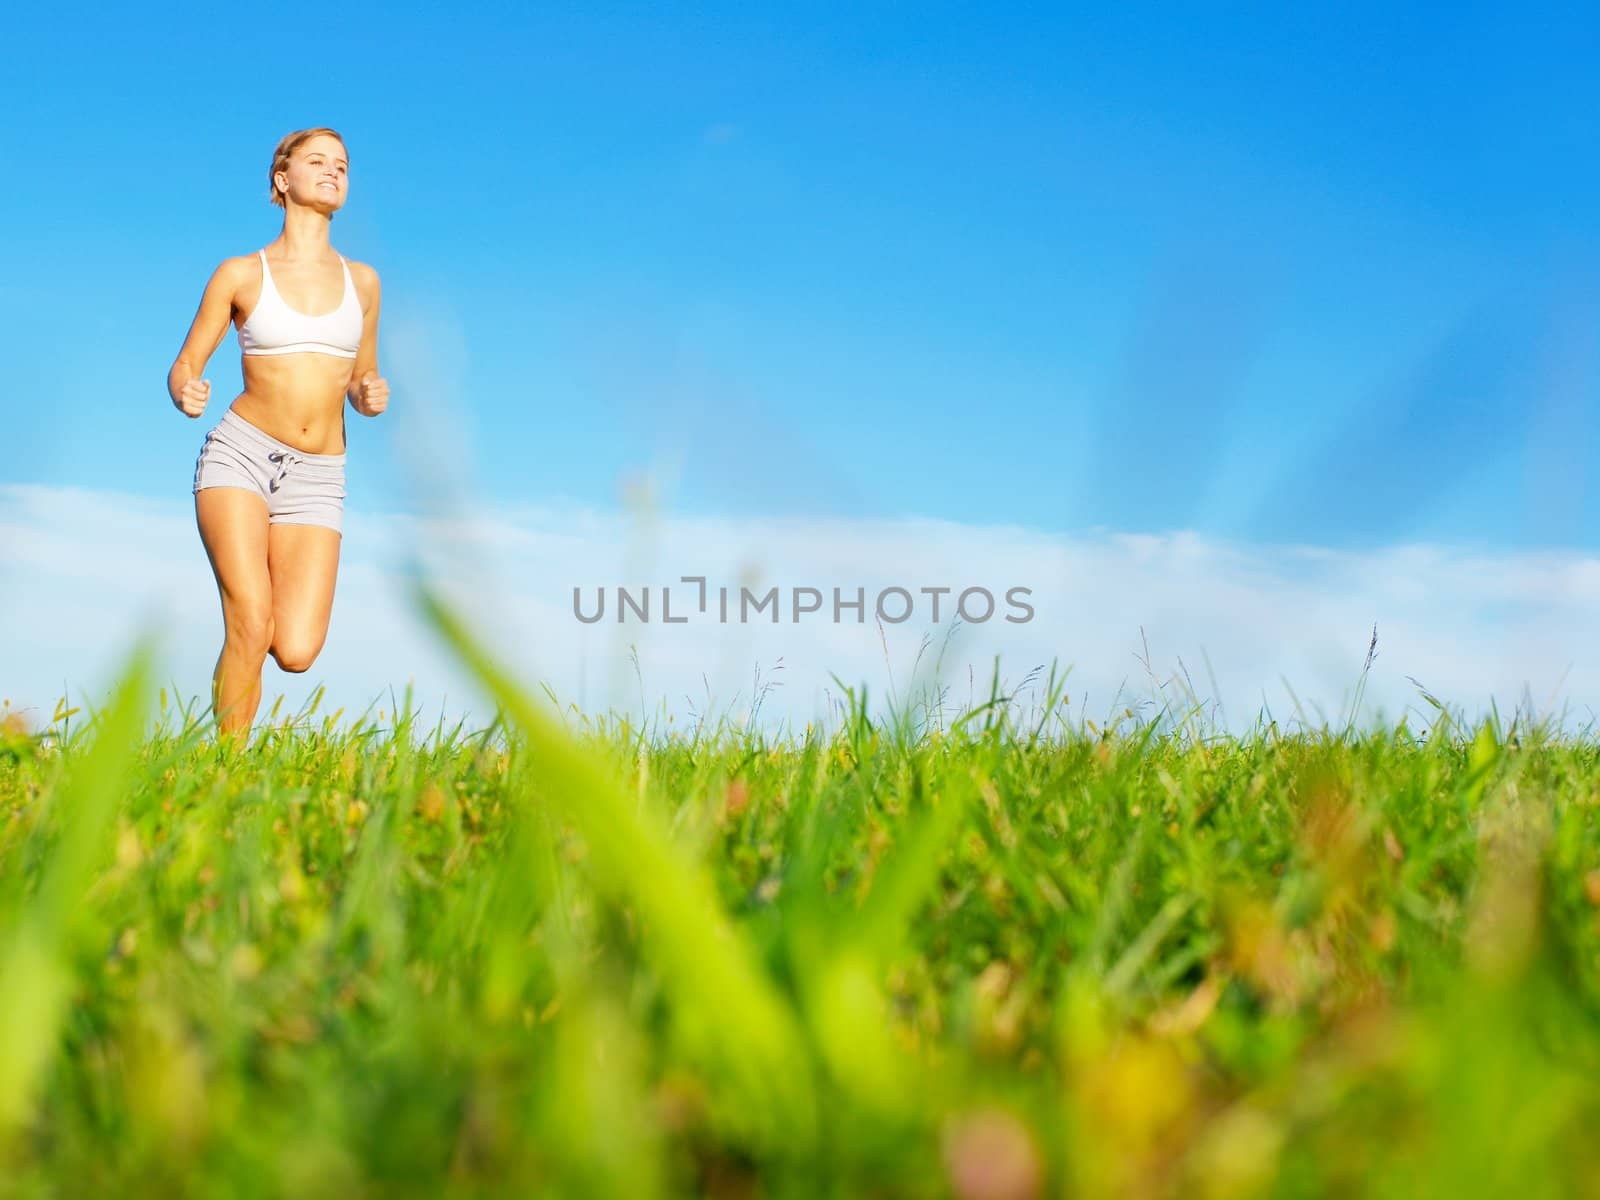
(363, 272)
(234, 273)
(240, 265)
(365, 277)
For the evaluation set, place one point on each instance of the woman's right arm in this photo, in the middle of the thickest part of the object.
(188, 391)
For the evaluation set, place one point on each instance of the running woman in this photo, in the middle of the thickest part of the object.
(269, 482)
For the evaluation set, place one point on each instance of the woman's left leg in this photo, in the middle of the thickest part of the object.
(303, 561)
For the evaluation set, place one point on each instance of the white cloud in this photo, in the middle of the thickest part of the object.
(82, 569)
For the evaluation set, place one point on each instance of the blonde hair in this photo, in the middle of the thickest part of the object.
(280, 157)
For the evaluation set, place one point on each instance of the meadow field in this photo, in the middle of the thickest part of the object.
(934, 954)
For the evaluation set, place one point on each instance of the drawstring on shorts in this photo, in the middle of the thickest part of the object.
(283, 458)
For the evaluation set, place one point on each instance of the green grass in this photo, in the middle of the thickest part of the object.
(921, 956)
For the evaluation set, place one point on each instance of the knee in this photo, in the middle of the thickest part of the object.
(250, 629)
(293, 655)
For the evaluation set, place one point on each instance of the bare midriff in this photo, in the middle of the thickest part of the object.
(298, 398)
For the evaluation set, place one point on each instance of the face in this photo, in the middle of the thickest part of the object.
(318, 173)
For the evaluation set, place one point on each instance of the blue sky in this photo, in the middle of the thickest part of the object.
(1324, 278)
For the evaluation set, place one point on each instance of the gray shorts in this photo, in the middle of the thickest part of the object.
(299, 488)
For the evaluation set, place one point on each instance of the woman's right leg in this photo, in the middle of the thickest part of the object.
(233, 526)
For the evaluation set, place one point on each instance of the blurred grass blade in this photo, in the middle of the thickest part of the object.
(35, 979)
(1121, 977)
(841, 961)
(731, 1014)
(907, 878)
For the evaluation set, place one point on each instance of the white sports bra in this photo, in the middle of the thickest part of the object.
(275, 328)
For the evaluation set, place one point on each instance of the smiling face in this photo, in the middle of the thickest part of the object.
(317, 175)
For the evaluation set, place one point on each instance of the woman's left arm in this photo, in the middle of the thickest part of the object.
(368, 391)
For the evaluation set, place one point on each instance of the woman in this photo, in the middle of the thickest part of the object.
(269, 482)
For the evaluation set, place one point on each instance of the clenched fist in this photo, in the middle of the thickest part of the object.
(370, 395)
(191, 399)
